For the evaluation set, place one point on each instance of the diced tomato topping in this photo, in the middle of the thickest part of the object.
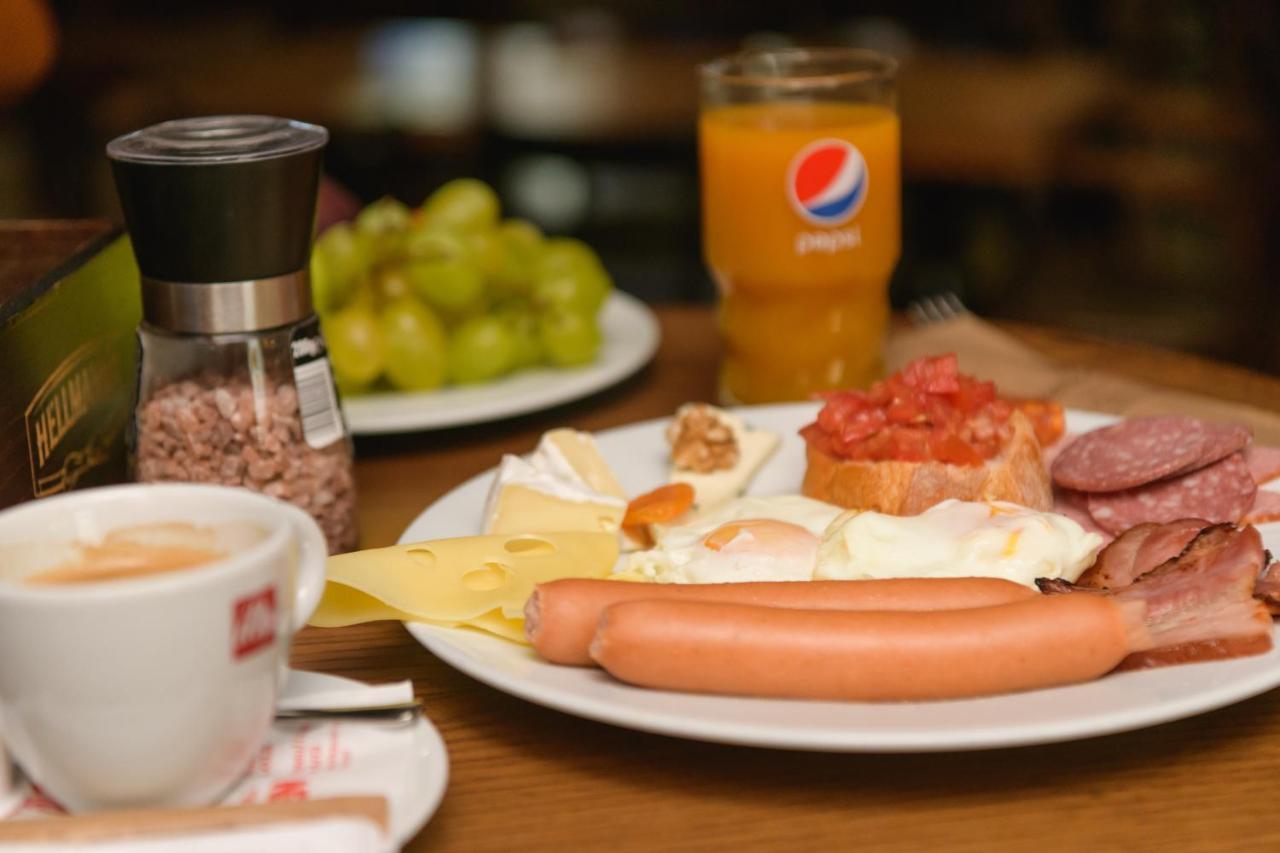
(1046, 416)
(927, 410)
(936, 375)
(861, 424)
(909, 444)
(901, 411)
(951, 448)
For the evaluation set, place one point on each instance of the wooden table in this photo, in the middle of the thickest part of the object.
(530, 779)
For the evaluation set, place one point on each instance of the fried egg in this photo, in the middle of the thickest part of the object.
(747, 539)
(957, 539)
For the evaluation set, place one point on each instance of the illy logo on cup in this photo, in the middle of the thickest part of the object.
(253, 622)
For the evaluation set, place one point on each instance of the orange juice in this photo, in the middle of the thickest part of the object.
(801, 218)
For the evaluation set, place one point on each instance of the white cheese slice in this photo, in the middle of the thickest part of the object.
(755, 446)
(525, 499)
(573, 455)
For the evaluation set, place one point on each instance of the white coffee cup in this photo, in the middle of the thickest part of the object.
(158, 690)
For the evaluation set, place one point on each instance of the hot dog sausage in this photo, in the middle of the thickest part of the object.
(561, 616)
(749, 650)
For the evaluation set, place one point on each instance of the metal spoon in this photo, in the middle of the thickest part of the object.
(398, 712)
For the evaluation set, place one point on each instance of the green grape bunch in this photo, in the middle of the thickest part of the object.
(412, 299)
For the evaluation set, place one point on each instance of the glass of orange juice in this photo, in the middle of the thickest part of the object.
(800, 216)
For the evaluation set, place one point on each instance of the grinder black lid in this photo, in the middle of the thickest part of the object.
(219, 198)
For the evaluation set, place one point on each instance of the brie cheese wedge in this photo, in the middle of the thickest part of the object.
(572, 455)
(525, 498)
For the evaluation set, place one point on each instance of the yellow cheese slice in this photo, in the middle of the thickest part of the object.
(341, 606)
(480, 581)
(495, 623)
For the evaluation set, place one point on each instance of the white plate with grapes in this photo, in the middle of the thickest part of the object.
(629, 338)
(448, 315)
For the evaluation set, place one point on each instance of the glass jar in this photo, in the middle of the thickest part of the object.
(253, 409)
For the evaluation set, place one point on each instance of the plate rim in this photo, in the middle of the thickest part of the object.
(639, 321)
(439, 642)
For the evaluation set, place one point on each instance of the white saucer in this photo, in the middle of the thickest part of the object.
(414, 793)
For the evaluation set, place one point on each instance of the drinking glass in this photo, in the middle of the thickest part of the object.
(800, 216)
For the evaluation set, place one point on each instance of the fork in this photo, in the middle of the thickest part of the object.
(936, 308)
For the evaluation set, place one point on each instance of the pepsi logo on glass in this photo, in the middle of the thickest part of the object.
(827, 182)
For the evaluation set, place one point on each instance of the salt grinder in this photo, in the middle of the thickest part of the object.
(234, 385)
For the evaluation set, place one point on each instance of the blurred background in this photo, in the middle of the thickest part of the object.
(1106, 167)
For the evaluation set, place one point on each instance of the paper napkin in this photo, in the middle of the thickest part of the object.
(314, 691)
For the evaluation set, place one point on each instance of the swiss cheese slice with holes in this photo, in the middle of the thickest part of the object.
(476, 581)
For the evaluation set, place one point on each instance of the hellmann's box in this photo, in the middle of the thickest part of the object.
(69, 305)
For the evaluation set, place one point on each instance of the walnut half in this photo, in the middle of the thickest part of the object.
(701, 441)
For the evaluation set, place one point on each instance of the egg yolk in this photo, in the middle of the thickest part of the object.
(766, 535)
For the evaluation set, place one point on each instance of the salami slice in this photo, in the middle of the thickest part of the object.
(1265, 509)
(1130, 453)
(1264, 463)
(1053, 451)
(1220, 442)
(1075, 506)
(1218, 493)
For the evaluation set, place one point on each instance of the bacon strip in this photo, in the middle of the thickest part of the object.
(1199, 605)
(1116, 564)
(1206, 593)
(1267, 588)
(1138, 550)
(1167, 542)
(1204, 650)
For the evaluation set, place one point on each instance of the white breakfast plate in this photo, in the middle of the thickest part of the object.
(629, 332)
(639, 454)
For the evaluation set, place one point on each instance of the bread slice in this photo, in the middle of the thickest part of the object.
(1016, 475)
